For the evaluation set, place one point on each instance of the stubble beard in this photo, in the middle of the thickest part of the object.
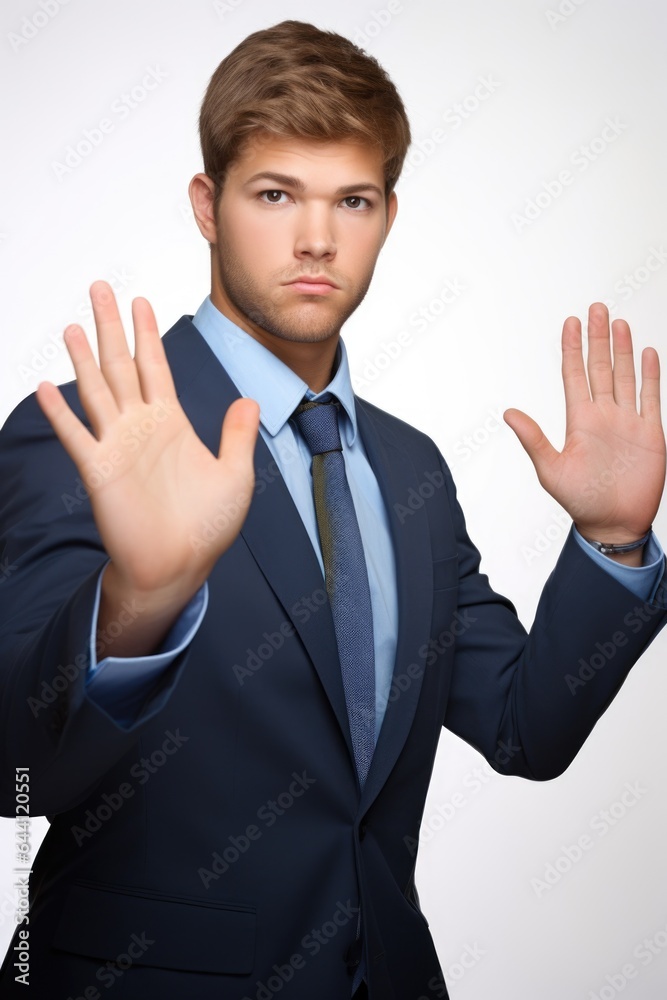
(309, 324)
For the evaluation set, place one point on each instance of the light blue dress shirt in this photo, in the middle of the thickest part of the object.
(119, 684)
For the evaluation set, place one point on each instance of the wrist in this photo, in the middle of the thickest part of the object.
(633, 558)
(614, 535)
(154, 601)
(619, 544)
(133, 622)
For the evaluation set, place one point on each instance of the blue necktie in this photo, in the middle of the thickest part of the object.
(345, 573)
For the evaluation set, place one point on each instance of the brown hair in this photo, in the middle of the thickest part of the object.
(296, 81)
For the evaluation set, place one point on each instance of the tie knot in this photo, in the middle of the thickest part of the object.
(318, 422)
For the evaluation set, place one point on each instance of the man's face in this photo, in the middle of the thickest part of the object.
(292, 211)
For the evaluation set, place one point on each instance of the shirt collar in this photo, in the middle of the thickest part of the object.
(260, 375)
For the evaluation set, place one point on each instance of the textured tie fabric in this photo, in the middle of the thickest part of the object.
(345, 573)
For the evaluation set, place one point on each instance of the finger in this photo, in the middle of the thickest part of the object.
(116, 362)
(238, 437)
(649, 396)
(539, 449)
(575, 382)
(94, 393)
(625, 386)
(152, 366)
(599, 353)
(75, 438)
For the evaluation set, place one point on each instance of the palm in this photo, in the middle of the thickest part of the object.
(165, 506)
(611, 471)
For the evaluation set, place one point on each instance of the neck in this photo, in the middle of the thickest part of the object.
(311, 361)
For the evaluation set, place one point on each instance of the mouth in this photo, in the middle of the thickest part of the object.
(312, 285)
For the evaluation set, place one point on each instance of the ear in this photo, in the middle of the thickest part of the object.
(202, 193)
(392, 209)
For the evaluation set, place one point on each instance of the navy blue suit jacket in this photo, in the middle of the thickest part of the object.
(217, 841)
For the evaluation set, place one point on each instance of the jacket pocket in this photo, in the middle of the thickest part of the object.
(152, 928)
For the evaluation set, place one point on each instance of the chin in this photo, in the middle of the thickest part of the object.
(306, 328)
(307, 335)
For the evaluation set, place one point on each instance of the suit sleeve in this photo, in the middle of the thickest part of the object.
(528, 700)
(119, 684)
(52, 556)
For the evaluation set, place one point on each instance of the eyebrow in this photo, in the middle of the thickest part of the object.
(287, 180)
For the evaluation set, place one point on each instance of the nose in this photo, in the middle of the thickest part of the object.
(315, 238)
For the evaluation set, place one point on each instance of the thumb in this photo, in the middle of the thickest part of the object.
(238, 436)
(538, 447)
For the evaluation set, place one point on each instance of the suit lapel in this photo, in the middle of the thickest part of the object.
(285, 554)
(414, 577)
(286, 557)
(288, 562)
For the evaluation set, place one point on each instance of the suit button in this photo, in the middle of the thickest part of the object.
(363, 826)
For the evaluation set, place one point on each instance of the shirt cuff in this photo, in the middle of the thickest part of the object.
(118, 681)
(641, 580)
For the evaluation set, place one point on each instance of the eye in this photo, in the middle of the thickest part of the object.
(356, 201)
(271, 197)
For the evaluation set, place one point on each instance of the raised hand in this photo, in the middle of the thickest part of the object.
(153, 484)
(611, 472)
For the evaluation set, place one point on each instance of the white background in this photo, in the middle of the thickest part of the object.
(552, 82)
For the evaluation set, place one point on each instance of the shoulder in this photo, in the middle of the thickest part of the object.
(392, 428)
(27, 422)
(186, 352)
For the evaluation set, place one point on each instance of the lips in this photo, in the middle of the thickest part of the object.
(313, 284)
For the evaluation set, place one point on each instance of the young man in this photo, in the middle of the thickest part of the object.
(226, 662)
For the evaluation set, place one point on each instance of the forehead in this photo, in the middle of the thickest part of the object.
(310, 160)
